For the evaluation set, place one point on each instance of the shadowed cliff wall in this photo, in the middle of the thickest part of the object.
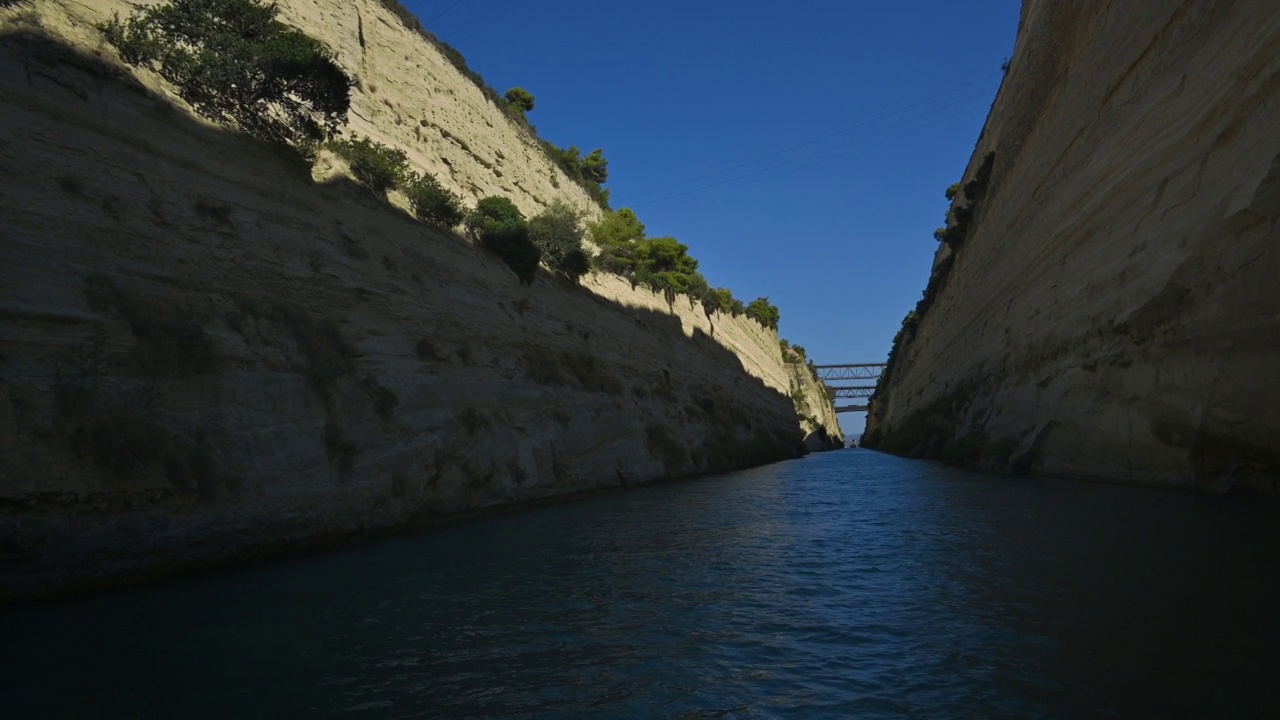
(209, 352)
(1115, 310)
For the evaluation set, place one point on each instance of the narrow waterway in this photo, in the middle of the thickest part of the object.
(847, 584)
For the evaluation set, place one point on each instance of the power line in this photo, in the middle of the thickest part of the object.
(824, 153)
(850, 151)
(485, 18)
(511, 6)
(841, 131)
(443, 13)
(692, 194)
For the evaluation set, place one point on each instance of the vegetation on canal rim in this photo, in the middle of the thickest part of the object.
(663, 264)
(238, 65)
(587, 172)
(961, 216)
(434, 203)
(380, 167)
(500, 227)
(383, 168)
(975, 190)
(558, 234)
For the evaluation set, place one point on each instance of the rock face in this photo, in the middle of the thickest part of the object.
(209, 352)
(1114, 311)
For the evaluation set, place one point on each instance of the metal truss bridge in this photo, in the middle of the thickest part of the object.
(833, 374)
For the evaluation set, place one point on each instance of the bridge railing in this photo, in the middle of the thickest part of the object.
(856, 371)
(831, 374)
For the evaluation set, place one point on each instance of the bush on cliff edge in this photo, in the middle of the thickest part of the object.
(500, 227)
(432, 202)
(557, 231)
(380, 167)
(238, 65)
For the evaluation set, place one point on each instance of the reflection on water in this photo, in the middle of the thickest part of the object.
(849, 584)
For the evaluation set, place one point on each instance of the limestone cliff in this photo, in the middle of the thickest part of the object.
(1114, 311)
(210, 352)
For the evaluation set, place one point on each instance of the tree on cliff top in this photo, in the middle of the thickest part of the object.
(763, 312)
(237, 64)
(520, 98)
(614, 228)
(595, 167)
(588, 172)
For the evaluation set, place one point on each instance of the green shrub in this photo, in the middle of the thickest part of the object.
(910, 324)
(698, 289)
(616, 228)
(722, 300)
(574, 264)
(588, 172)
(952, 235)
(515, 111)
(512, 245)
(595, 168)
(557, 232)
(664, 265)
(455, 58)
(616, 233)
(434, 203)
(493, 211)
(955, 233)
(378, 166)
(763, 312)
(617, 259)
(500, 227)
(976, 189)
(520, 98)
(661, 264)
(238, 65)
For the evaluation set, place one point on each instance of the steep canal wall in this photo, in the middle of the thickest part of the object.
(1112, 310)
(211, 352)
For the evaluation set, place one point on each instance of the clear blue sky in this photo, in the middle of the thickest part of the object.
(686, 98)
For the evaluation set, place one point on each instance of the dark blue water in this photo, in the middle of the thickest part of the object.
(848, 584)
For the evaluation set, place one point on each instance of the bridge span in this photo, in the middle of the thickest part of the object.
(845, 373)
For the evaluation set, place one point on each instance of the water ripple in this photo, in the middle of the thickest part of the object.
(845, 585)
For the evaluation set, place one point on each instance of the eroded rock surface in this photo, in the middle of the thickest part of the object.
(1115, 311)
(209, 352)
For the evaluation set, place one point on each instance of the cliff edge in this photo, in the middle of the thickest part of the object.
(1113, 309)
(211, 352)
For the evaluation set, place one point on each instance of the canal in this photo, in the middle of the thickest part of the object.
(846, 584)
